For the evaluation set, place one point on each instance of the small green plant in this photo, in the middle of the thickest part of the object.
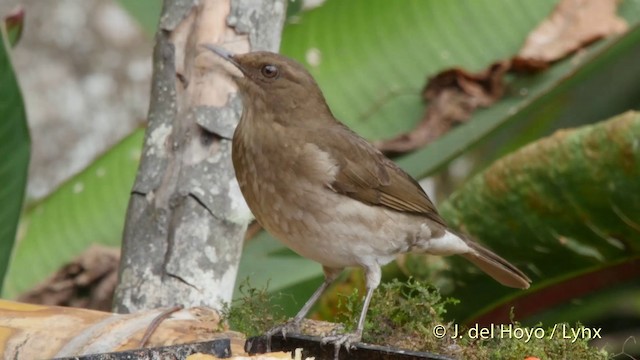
(252, 313)
(402, 314)
(411, 315)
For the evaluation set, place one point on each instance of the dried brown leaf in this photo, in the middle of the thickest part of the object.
(453, 95)
(87, 282)
(572, 25)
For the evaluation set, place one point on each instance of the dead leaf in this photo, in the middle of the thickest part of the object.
(572, 25)
(453, 95)
(527, 66)
(87, 282)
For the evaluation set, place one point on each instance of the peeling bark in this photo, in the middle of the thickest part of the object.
(186, 218)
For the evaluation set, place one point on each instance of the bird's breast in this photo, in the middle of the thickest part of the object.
(279, 175)
(285, 183)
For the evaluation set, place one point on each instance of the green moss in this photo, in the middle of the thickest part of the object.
(507, 345)
(252, 313)
(407, 314)
(402, 315)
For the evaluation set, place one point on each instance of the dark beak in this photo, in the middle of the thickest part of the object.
(223, 53)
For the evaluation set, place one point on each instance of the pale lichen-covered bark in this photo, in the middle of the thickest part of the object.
(186, 218)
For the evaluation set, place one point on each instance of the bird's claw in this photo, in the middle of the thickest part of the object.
(291, 326)
(346, 340)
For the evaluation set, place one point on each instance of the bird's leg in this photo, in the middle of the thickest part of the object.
(293, 325)
(348, 340)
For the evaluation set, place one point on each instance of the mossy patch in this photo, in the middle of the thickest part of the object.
(252, 313)
(411, 315)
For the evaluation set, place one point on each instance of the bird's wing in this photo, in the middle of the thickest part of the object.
(367, 175)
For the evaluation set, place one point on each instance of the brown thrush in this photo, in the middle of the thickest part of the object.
(327, 193)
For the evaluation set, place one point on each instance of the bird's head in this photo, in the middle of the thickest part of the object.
(275, 83)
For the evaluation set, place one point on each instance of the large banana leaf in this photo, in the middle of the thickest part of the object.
(566, 209)
(89, 208)
(372, 58)
(14, 152)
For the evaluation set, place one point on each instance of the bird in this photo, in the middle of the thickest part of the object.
(326, 192)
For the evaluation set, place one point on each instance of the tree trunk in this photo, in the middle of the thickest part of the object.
(186, 218)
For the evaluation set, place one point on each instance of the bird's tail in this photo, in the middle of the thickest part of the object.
(496, 267)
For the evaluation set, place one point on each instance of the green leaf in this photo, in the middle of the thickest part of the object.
(87, 209)
(372, 58)
(579, 98)
(14, 149)
(564, 209)
(568, 94)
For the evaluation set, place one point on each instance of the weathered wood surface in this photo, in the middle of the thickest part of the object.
(186, 218)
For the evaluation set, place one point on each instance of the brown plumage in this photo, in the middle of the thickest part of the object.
(326, 192)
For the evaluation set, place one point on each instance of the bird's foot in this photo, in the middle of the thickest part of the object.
(291, 326)
(346, 340)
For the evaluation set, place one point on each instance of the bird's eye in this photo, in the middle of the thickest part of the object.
(270, 71)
